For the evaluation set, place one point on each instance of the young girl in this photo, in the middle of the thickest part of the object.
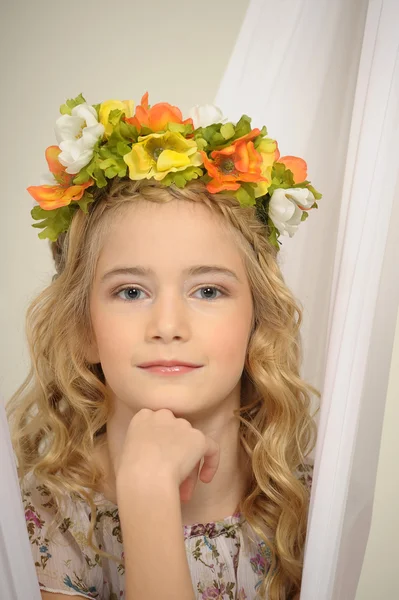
(163, 432)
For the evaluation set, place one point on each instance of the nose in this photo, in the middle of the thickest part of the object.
(169, 318)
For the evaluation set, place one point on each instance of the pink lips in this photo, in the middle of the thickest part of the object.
(169, 370)
(168, 363)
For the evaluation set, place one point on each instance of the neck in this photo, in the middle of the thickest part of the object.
(210, 501)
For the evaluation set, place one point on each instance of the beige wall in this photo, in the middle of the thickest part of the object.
(379, 578)
(177, 50)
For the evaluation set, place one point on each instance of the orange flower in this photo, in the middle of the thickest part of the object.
(296, 165)
(61, 193)
(239, 162)
(157, 117)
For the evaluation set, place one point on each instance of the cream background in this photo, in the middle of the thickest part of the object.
(178, 52)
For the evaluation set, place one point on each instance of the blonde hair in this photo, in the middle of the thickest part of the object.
(62, 406)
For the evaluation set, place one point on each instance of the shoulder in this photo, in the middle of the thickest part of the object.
(63, 560)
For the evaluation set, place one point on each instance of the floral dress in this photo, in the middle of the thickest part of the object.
(226, 558)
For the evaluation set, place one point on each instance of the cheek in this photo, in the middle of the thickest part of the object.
(113, 337)
(227, 343)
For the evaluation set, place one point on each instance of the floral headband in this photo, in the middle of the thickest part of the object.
(99, 142)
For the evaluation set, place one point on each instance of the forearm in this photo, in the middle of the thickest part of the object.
(155, 556)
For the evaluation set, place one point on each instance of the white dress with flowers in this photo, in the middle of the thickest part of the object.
(226, 558)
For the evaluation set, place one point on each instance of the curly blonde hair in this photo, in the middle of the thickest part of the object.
(62, 406)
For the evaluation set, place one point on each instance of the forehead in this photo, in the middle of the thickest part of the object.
(177, 233)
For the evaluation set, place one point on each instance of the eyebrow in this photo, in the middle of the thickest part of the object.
(190, 271)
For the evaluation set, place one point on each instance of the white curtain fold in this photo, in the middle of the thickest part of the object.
(18, 580)
(327, 87)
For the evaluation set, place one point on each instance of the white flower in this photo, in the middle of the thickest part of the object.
(205, 115)
(76, 136)
(286, 208)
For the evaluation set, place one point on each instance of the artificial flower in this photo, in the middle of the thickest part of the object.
(126, 106)
(61, 191)
(158, 154)
(205, 115)
(296, 165)
(286, 208)
(157, 117)
(269, 152)
(76, 135)
(239, 162)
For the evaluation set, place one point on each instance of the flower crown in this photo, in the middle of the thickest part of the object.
(99, 142)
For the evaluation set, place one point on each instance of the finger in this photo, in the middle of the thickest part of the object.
(211, 461)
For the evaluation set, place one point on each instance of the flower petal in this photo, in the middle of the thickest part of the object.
(86, 113)
(50, 197)
(52, 153)
(138, 161)
(205, 115)
(296, 165)
(68, 128)
(170, 158)
(216, 186)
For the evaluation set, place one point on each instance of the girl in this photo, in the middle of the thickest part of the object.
(163, 432)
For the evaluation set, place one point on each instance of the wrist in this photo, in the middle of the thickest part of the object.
(144, 483)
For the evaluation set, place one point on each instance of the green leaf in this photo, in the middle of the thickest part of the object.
(249, 189)
(66, 109)
(104, 164)
(244, 197)
(97, 109)
(111, 172)
(315, 193)
(243, 126)
(115, 116)
(99, 178)
(180, 180)
(84, 202)
(82, 177)
(218, 140)
(219, 136)
(207, 133)
(302, 184)
(281, 178)
(147, 131)
(122, 148)
(53, 222)
(188, 174)
(227, 131)
(201, 143)
(260, 137)
(122, 132)
(179, 128)
(122, 171)
(274, 234)
(112, 163)
(128, 131)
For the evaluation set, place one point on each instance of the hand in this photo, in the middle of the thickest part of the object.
(157, 444)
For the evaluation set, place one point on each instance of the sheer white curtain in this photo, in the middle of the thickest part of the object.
(326, 84)
(322, 75)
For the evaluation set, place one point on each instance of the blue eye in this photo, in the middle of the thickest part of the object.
(137, 289)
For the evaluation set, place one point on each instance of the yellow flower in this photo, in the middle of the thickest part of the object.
(126, 106)
(269, 151)
(157, 154)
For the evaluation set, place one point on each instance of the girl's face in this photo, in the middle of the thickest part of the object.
(170, 314)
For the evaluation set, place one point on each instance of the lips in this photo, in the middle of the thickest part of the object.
(168, 363)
